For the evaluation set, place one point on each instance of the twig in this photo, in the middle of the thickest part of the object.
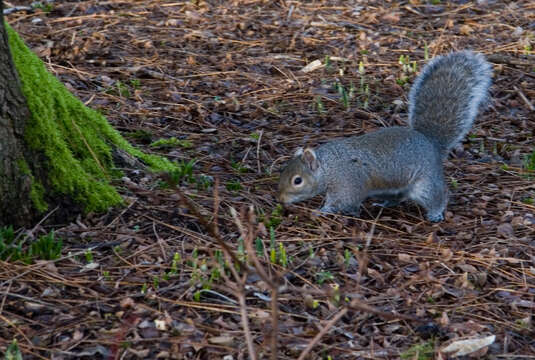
(245, 324)
(272, 284)
(210, 228)
(258, 150)
(274, 321)
(322, 332)
(249, 235)
(5, 297)
(30, 233)
(524, 98)
(369, 236)
(356, 304)
(14, 326)
(216, 205)
(230, 257)
(249, 247)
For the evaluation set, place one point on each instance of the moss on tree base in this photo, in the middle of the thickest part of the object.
(76, 141)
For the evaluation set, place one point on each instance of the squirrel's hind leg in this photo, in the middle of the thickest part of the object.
(430, 193)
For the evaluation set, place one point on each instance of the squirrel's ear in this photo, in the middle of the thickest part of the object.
(310, 158)
(298, 152)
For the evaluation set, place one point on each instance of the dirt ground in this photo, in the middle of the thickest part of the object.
(225, 80)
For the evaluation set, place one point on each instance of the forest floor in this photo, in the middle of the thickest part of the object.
(218, 87)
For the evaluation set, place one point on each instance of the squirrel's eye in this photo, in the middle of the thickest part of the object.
(297, 180)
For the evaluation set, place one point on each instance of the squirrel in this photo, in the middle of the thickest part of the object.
(397, 163)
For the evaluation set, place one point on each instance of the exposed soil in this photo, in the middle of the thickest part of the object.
(224, 78)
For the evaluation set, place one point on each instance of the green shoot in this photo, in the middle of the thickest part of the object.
(135, 83)
(233, 186)
(283, 257)
(219, 257)
(204, 182)
(259, 247)
(273, 255)
(319, 105)
(47, 247)
(13, 351)
(238, 167)
(327, 62)
(529, 162)
(347, 257)
(241, 249)
(89, 256)
(184, 171)
(323, 276)
(122, 89)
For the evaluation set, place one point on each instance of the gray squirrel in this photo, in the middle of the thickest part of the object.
(397, 163)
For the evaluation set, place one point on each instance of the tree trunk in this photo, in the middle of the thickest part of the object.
(15, 205)
(55, 152)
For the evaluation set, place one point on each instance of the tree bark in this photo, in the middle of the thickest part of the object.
(15, 204)
(56, 154)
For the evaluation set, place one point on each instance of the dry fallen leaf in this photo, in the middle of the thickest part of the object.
(444, 319)
(314, 65)
(90, 266)
(392, 18)
(160, 325)
(405, 258)
(505, 230)
(468, 346)
(127, 302)
(466, 30)
(221, 340)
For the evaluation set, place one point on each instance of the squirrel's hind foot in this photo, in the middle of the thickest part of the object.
(434, 218)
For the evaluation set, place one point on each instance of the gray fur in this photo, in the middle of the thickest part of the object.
(446, 96)
(397, 163)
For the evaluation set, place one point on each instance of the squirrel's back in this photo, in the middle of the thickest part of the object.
(446, 96)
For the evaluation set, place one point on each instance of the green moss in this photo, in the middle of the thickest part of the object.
(37, 196)
(76, 140)
(171, 142)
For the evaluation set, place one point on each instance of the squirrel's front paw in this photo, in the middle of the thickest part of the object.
(387, 203)
(352, 212)
(328, 209)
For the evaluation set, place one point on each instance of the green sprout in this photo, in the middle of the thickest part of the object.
(319, 105)
(233, 186)
(89, 256)
(47, 247)
(323, 276)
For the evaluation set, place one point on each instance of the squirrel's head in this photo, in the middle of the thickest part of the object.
(299, 179)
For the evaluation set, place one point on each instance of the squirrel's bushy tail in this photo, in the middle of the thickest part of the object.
(445, 97)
